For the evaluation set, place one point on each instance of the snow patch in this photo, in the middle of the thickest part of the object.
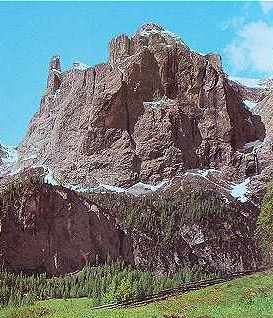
(136, 86)
(136, 189)
(240, 190)
(112, 188)
(78, 188)
(56, 71)
(164, 101)
(206, 172)
(56, 93)
(237, 191)
(49, 178)
(165, 33)
(142, 188)
(154, 104)
(253, 144)
(202, 173)
(80, 66)
(249, 104)
(176, 258)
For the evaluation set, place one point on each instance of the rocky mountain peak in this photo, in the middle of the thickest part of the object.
(150, 27)
(55, 64)
(155, 110)
(119, 48)
(54, 75)
(215, 60)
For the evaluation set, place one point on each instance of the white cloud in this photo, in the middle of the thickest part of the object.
(266, 6)
(252, 48)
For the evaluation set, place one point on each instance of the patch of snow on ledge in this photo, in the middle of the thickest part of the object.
(202, 173)
(164, 33)
(80, 66)
(78, 188)
(142, 188)
(154, 104)
(138, 188)
(164, 101)
(249, 104)
(240, 190)
(112, 188)
(49, 178)
(253, 144)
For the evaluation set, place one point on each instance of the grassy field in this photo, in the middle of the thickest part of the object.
(249, 297)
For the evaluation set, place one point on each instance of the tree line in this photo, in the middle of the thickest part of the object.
(103, 284)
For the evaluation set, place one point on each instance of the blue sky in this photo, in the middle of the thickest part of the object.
(31, 32)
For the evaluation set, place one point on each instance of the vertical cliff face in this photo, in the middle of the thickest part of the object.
(154, 110)
(56, 231)
(264, 151)
(265, 109)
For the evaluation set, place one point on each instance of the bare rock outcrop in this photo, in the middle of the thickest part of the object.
(54, 230)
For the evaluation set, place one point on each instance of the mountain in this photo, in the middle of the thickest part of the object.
(154, 110)
(158, 147)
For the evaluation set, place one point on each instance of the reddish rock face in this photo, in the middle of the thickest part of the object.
(54, 75)
(154, 110)
(265, 110)
(53, 229)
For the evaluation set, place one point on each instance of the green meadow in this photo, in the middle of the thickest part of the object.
(246, 297)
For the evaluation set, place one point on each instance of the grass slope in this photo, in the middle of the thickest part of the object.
(248, 297)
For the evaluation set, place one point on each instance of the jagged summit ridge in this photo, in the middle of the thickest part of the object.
(150, 26)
